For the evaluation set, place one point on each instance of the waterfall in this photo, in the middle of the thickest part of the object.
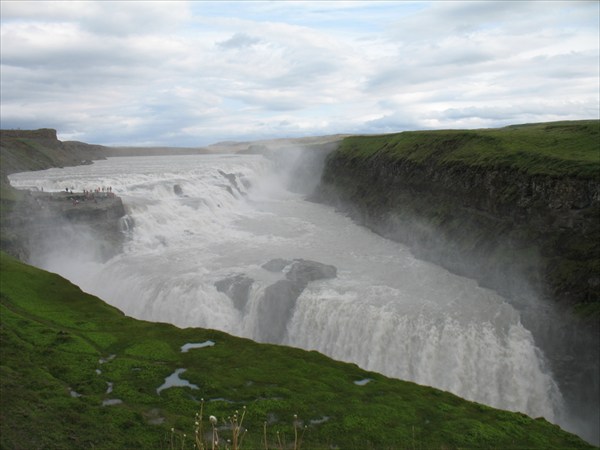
(202, 229)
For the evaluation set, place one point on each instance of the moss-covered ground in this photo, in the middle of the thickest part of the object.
(555, 148)
(62, 349)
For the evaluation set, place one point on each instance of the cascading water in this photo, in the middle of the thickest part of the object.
(204, 227)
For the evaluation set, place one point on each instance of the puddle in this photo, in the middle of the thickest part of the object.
(319, 421)
(190, 346)
(220, 399)
(173, 380)
(154, 417)
(157, 421)
(105, 360)
(73, 393)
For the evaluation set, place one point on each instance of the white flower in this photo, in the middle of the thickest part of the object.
(213, 420)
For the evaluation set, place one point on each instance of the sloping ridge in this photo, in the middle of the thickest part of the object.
(77, 373)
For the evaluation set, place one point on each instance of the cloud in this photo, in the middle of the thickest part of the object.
(102, 17)
(239, 41)
(177, 73)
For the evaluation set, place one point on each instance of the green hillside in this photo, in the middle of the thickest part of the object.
(555, 148)
(62, 349)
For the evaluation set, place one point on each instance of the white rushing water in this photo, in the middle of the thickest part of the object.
(386, 310)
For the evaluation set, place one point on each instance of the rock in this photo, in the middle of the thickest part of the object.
(532, 237)
(276, 306)
(177, 190)
(276, 265)
(279, 299)
(237, 288)
(304, 271)
(232, 180)
(43, 221)
(275, 309)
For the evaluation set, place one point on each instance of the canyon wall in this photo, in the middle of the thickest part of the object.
(527, 227)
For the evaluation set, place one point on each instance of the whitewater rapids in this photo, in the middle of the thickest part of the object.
(195, 220)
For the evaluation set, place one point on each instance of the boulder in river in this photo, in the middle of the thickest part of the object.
(237, 288)
(279, 299)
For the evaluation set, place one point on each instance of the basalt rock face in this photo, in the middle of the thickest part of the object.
(488, 224)
(535, 239)
(276, 305)
(279, 299)
(44, 222)
(30, 218)
(237, 288)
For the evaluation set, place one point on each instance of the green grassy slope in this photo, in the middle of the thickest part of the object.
(56, 363)
(556, 148)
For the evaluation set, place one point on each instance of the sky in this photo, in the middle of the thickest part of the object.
(199, 72)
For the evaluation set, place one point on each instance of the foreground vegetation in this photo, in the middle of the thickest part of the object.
(67, 357)
(555, 148)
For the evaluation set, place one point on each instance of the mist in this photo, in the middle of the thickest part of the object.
(229, 242)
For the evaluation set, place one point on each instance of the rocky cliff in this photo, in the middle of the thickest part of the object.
(27, 218)
(489, 221)
(522, 219)
(22, 150)
(493, 225)
(41, 223)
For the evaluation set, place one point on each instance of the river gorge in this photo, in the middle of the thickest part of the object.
(230, 242)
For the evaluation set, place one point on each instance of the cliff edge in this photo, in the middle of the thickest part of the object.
(516, 208)
(22, 150)
(35, 219)
(522, 201)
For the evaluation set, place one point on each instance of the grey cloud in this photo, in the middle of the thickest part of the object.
(69, 48)
(392, 123)
(102, 18)
(516, 111)
(491, 113)
(140, 72)
(304, 73)
(442, 19)
(238, 41)
(567, 65)
(271, 99)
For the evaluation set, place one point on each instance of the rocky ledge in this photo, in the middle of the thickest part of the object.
(43, 220)
(278, 300)
(494, 225)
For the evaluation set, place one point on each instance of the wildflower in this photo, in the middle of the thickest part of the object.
(213, 420)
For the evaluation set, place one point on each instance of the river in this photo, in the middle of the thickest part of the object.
(193, 221)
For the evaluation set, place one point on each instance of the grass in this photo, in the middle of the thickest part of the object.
(557, 149)
(61, 348)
